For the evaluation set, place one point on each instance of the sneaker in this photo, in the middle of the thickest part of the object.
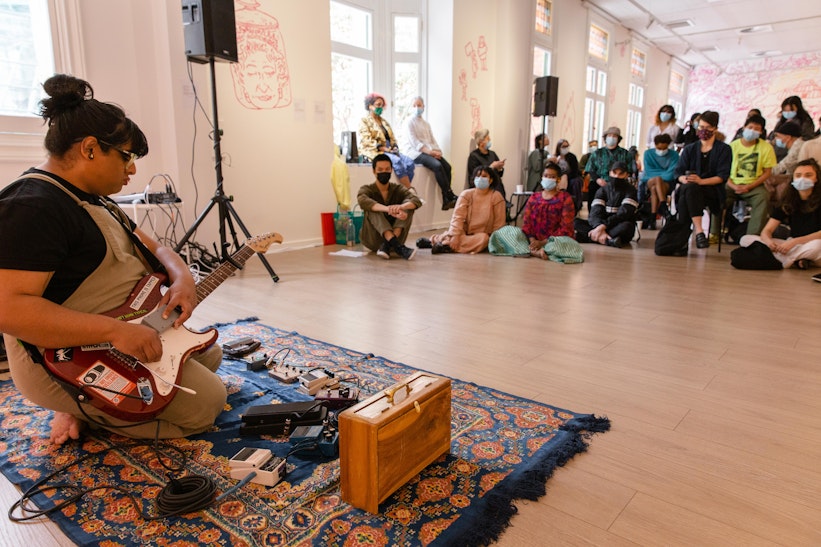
(701, 241)
(406, 252)
(817, 277)
(384, 251)
(423, 243)
(440, 248)
(614, 242)
(449, 204)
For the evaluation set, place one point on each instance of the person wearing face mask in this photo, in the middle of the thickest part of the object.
(572, 179)
(792, 110)
(801, 211)
(703, 170)
(483, 156)
(536, 161)
(659, 175)
(376, 137)
(753, 161)
(424, 150)
(689, 134)
(602, 160)
(753, 112)
(665, 123)
(479, 212)
(788, 137)
(549, 212)
(615, 211)
(388, 211)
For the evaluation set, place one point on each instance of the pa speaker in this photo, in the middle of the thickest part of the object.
(210, 30)
(545, 96)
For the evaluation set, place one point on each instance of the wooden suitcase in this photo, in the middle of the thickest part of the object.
(390, 437)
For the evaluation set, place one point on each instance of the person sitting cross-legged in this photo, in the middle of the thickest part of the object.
(388, 208)
(613, 215)
(479, 212)
(548, 213)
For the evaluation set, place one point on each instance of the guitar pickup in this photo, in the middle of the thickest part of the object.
(156, 321)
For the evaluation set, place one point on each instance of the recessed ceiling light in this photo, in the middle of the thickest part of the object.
(684, 23)
(708, 49)
(767, 53)
(756, 29)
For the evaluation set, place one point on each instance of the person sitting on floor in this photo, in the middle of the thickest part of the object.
(479, 212)
(801, 211)
(602, 160)
(614, 213)
(659, 175)
(548, 213)
(753, 161)
(388, 211)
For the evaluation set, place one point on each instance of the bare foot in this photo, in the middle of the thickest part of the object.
(64, 427)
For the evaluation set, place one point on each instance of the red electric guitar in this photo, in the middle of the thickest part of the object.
(121, 385)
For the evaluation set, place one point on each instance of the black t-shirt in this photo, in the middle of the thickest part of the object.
(43, 230)
(800, 223)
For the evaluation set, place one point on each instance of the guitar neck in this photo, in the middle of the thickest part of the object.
(215, 278)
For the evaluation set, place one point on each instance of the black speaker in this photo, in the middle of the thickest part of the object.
(545, 95)
(210, 30)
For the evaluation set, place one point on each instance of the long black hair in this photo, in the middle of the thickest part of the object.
(72, 114)
(792, 202)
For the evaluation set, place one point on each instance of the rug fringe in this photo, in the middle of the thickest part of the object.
(499, 507)
(246, 320)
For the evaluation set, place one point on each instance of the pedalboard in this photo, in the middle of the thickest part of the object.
(338, 398)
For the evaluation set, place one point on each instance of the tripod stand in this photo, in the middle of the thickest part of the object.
(220, 199)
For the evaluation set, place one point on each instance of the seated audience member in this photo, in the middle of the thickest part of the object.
(703, 169)
(792, 109)
(801, 210)
(479, 212)
(750, 114)
(536, 161)
(787, 137)
(592, 146)
(614, 213)
(424, 150)
(753, 161)
(571, 173)
(659, 175)
(376, 137)
(602, 160)
(483, 156)
(689, 134)
(665, 123)
(388, 211)
(548, 213)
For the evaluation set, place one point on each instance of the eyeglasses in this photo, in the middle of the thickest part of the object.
(128, 157)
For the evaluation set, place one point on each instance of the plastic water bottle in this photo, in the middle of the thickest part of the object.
(350, 237)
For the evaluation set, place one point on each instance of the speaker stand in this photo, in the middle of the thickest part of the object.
(220, 199)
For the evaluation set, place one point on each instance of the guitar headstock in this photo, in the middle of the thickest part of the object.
(261, 243)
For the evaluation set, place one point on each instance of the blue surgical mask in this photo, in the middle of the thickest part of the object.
(788, 114)
(611, 141)
(662, 152)
(781, 144)
(420, 110)
(548, 184)
(665, 117)
(750, 135)
(593, 149)
(802, 184)
(564, 150)
(481, 183)
(488, 145)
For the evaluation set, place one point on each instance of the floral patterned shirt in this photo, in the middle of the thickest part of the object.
(549, 217)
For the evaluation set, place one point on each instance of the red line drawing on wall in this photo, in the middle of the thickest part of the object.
(475, 115)
(482, 50)
(261, 77)
(463, 83)
(470, 52)
(567, 128)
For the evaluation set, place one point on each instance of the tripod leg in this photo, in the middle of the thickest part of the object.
(194, 227)
(233, 213)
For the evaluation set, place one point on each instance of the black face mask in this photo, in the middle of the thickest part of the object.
(384, 178)
(616, 180)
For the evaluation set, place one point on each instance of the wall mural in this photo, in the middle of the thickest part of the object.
(463, 83)
(734, 88)
(478, 62)
(567, 127)
(261, 77)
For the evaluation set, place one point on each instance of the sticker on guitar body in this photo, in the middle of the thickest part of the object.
(112, 383)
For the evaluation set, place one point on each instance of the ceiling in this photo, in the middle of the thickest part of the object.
(720, 31)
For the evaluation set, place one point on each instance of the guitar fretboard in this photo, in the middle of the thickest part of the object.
(215, 279)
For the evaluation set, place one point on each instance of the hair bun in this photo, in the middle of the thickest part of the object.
(65, 93)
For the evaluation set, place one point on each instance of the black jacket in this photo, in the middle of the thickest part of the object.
(614, 203)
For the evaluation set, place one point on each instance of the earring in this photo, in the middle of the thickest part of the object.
(91, 155)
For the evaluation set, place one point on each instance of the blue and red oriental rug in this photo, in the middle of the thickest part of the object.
(503, 448)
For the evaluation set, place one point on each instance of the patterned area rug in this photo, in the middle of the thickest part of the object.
(503, 448)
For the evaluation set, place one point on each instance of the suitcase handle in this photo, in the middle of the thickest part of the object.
(390, 392)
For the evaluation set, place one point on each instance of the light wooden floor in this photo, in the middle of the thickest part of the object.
(710, 375)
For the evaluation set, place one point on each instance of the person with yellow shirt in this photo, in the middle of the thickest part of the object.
(753, 162)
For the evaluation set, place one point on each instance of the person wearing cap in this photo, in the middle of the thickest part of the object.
(601, 162)
(703, 169)
(614, 212)
(787, 137)
(753, 161)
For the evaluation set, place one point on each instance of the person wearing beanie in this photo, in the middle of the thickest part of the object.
(787, 137)
(601, 162)
(703, 169)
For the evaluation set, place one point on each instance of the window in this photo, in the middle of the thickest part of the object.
(37, 39)
(544, 17)
(376, 46)
(635, 103)
(676, 97)
(594, 104)
(598, 44)
(638, 63)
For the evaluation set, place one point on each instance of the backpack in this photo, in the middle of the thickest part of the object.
(672, 239)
